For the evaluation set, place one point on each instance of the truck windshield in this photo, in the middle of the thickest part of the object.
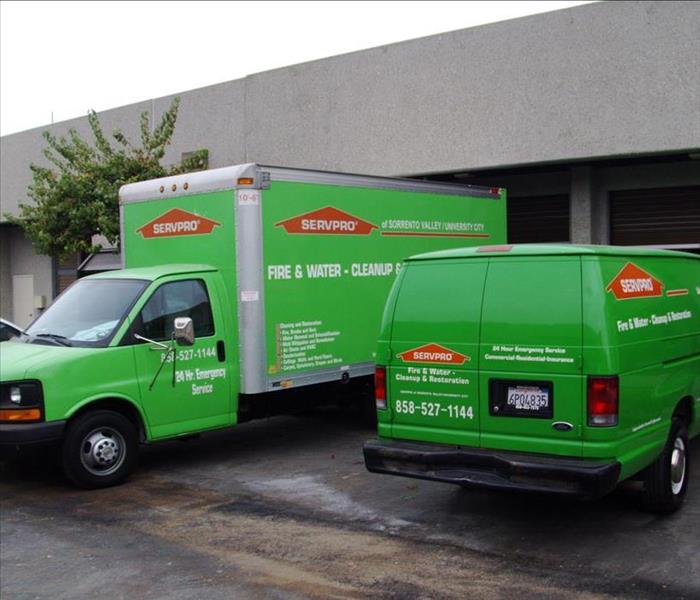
(87, 313)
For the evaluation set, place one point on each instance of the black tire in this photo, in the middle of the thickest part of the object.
(100, 449)
(663, 490)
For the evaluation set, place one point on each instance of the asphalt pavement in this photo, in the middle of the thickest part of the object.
(283, 508)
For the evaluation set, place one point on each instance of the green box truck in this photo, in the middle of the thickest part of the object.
(546, 368)
(239, 284)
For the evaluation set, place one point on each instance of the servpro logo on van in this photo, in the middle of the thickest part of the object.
(433, 353)
(326, 221)
(634, 282)
(177, 222)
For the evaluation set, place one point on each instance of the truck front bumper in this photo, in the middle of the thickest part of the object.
(21, 434)
(492, 469)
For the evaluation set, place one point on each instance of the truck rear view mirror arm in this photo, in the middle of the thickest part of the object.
(159, 345)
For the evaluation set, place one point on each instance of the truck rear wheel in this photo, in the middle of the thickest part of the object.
(100, 449)
(666, 480)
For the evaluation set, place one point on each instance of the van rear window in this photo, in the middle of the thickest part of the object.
(440, 302)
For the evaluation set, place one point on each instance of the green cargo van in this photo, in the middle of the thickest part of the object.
(241, 285)
(552, 368)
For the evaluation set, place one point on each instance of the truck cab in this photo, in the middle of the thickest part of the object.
(109, 356)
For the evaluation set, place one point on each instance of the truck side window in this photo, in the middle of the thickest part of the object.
(177, 299)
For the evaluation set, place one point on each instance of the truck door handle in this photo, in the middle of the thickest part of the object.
(221, 350)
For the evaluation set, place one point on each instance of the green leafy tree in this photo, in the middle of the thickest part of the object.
(77, 196)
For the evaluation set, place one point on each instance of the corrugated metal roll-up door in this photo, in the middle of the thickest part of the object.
(536, 219)
(658, 217)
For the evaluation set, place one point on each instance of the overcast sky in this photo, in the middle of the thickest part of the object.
(68, 57)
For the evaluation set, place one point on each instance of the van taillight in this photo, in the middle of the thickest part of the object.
(603, 401)
(380, 387)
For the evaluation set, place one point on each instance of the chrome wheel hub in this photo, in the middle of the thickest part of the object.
(678, 462)
(102, 451)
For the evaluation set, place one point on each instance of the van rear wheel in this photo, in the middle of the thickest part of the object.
(100, 449)
(666, 480)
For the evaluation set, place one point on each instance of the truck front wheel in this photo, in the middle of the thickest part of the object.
(666, 480)
(100, 449)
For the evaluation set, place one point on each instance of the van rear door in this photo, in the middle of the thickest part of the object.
(432, 382)
(532, 389)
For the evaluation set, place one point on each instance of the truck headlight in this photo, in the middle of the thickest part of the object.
(16, 395)
(21, 401)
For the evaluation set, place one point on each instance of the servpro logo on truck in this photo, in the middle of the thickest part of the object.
(177, 222)
(433, 353)
(633, 282)
(327, 220)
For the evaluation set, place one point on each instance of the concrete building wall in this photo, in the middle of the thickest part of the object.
(20, 258)
(211, 118)
(607, 79)
(5, 278)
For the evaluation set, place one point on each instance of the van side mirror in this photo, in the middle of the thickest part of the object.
(183, 329)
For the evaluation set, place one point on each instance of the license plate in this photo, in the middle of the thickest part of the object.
(530, 399)
(518, 398)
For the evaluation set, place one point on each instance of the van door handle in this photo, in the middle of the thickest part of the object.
(221, 350)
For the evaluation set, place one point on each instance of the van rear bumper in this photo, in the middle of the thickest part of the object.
(493, 469)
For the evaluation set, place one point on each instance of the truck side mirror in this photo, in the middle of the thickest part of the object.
(184, 331)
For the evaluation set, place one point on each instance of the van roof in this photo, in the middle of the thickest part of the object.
(152, 273)
(502, 251)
